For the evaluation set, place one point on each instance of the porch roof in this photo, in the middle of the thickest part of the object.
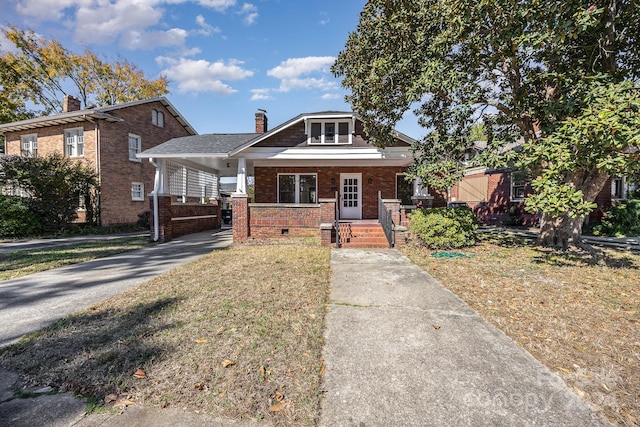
(213, 144)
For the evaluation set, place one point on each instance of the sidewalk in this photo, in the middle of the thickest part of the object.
(401, 350)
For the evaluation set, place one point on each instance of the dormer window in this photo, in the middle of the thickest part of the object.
(329, 132)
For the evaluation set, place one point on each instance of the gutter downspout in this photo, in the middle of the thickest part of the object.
(156, 185)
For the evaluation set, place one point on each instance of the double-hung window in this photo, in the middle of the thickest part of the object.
(74, 142)
(329, 132)
(518, 181)
(137, 191)
(135, 147)
(29, 145)
(297, 188)
(157, 118)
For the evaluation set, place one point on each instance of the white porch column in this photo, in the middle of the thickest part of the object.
(241, 179)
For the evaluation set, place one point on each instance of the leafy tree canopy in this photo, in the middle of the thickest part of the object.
(527, 70)
(35, 71)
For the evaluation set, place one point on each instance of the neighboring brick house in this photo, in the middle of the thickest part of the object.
(298, 169)
(107, 139)
(497, 196)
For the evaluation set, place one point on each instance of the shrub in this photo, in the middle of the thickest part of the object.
(620, 220)
(16, 218)
(444, 228)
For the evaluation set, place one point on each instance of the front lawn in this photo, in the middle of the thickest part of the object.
(577, 314)
(237, 333)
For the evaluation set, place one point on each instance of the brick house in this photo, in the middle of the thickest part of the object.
(107, 139)
(497, 196)
(314, 175)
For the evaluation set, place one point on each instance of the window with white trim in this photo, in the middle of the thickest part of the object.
(330, 132)
(74, 142)
(157, 118)
(137, 191)
(135, 146)
(29, 145)
(518, 182)
(297, 188)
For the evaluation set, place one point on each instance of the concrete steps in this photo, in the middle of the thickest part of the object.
(365, 235)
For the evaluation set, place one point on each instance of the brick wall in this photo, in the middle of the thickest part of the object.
(278, 220)
(178, 219)
(118, 172)
(382, 179)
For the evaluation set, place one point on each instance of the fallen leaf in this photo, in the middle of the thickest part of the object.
(436, 327)
(278, 407)
(220, 330)
(123, 403)
(278, 396)
(632, 418)
(322, 367)
(110, 398)
(227, 363)
(201, 340)
(139, 374)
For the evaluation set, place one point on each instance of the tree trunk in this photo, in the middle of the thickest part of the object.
(563, 231)
(560, 232)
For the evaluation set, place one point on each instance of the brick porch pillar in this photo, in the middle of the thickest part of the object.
(327, 220)
(240, 219)
(164, 217)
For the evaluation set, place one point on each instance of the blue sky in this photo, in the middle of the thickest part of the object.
(224, 59)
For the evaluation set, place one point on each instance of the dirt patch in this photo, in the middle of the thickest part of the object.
(577, 313)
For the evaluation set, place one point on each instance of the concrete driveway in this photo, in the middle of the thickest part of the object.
(32, 302)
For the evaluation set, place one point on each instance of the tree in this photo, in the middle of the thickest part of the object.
(54, 183)
(524, 69)
(38, 70)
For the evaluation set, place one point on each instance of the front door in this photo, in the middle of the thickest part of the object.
(351, 196)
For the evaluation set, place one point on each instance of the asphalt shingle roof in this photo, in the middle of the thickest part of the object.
(213, 143)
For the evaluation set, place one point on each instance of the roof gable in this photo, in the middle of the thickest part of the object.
(99, 113)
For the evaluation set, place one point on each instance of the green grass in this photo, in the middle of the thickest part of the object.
(21, 263)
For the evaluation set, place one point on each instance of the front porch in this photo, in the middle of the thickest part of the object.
(277, 220)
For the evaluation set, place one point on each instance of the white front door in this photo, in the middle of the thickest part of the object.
(350, 196)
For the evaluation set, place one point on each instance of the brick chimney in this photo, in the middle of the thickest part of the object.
(70, 103)
(261, 121)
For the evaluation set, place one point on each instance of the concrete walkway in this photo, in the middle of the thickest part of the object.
(401, 350)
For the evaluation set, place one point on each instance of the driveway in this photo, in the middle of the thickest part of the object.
(32, 302)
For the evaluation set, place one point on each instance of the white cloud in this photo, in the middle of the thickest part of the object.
(205, 29)
(261, 94)
(219, 5)
(46, 10)
(106, 22)
(131, 23)
(295, 67)
(291, 72)
(203, 76)
(330, 96)
(250, 13)
(153, 39)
